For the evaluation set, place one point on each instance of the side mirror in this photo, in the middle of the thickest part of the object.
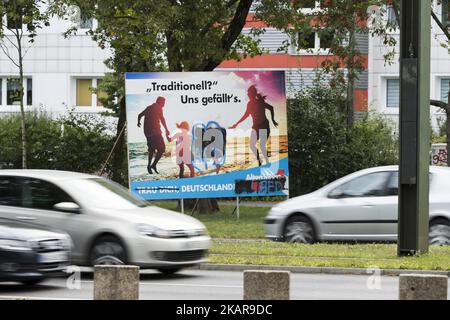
(336, 194)
(70, 207)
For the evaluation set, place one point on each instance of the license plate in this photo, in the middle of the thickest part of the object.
(195, 245)
(50, 257)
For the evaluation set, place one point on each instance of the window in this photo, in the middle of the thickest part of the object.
(108, 194)
(326, 40)
(10, 192)
(311, 40)
(84, 93)
(446, 13)
(392, 186)
(86, 22)
(29, 92)
(393, 93)
(13, 91)
(445, 87)
(391, 16)
(307, 40)
(39, 194)
(308, 4)
(369, 185)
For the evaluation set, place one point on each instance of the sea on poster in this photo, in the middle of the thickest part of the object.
(207, 134)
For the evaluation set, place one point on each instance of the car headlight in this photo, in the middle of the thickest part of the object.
(275, 210)
(151, 231)
(199, 232)
(14, 245)
(67, 243)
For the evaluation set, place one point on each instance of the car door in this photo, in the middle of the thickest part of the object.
(351, 211)
(388, 209)
(39, 198)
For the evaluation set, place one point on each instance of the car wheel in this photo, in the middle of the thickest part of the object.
(169, 271)
(108, 250)
(299, 229)
(32, 282)
(439, 232)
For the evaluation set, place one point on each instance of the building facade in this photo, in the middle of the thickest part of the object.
(384, 84)
(60, 71)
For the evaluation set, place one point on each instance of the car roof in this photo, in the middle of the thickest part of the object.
(53, 175)
(440, 169)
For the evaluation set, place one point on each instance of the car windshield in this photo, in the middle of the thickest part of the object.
(102, 193)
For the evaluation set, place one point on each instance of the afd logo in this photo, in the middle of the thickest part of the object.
(208, 145)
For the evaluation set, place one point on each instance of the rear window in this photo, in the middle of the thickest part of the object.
(10, 191)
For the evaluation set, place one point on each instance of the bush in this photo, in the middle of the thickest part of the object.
(322, 149)
(74, 143)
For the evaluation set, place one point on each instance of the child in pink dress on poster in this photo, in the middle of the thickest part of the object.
(183, 148)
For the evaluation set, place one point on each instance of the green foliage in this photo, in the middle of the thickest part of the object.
(440, 136)
(322, 148)
(24, 12)
(325, 255)
(74, 142)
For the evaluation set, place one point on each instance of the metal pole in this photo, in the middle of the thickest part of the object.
(237, 208)
(182, 205)
(414, 127)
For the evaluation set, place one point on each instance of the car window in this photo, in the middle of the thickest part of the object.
(369, 185)
(40, 194)
(392, 186)
(103, 193)
(10, 191)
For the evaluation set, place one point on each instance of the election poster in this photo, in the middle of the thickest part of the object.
(207, 134)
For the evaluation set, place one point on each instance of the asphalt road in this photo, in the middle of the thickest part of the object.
(218, 285)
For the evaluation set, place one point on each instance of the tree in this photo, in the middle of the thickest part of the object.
(20, 13)
(167, 35)
(197, 35)
(324, 148)
(445, 106)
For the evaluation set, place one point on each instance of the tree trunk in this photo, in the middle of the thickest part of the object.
(22, 107)
(119, 153)
(351, 80)
(447, 112)
(202, 206)
(350, 102)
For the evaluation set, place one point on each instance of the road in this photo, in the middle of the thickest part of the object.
(217, 285)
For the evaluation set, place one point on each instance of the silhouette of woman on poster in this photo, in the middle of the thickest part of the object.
(256, 108)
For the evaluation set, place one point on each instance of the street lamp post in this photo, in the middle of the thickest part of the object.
(414, 126)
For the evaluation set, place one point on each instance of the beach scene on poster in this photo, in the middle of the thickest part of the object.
(207, 134)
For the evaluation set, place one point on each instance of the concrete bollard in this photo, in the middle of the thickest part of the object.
(116, 282)
(266, 285)
(422, 287)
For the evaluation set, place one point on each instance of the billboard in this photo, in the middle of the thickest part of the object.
(207, 134)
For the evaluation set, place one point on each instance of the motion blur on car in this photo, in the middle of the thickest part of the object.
(359, 207)
(29, 254)
(107, 223)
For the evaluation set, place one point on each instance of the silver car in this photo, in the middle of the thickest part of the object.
(107, 224)
(361, 206)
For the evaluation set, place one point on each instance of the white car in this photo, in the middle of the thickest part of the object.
(107, 224)
(361, 206)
